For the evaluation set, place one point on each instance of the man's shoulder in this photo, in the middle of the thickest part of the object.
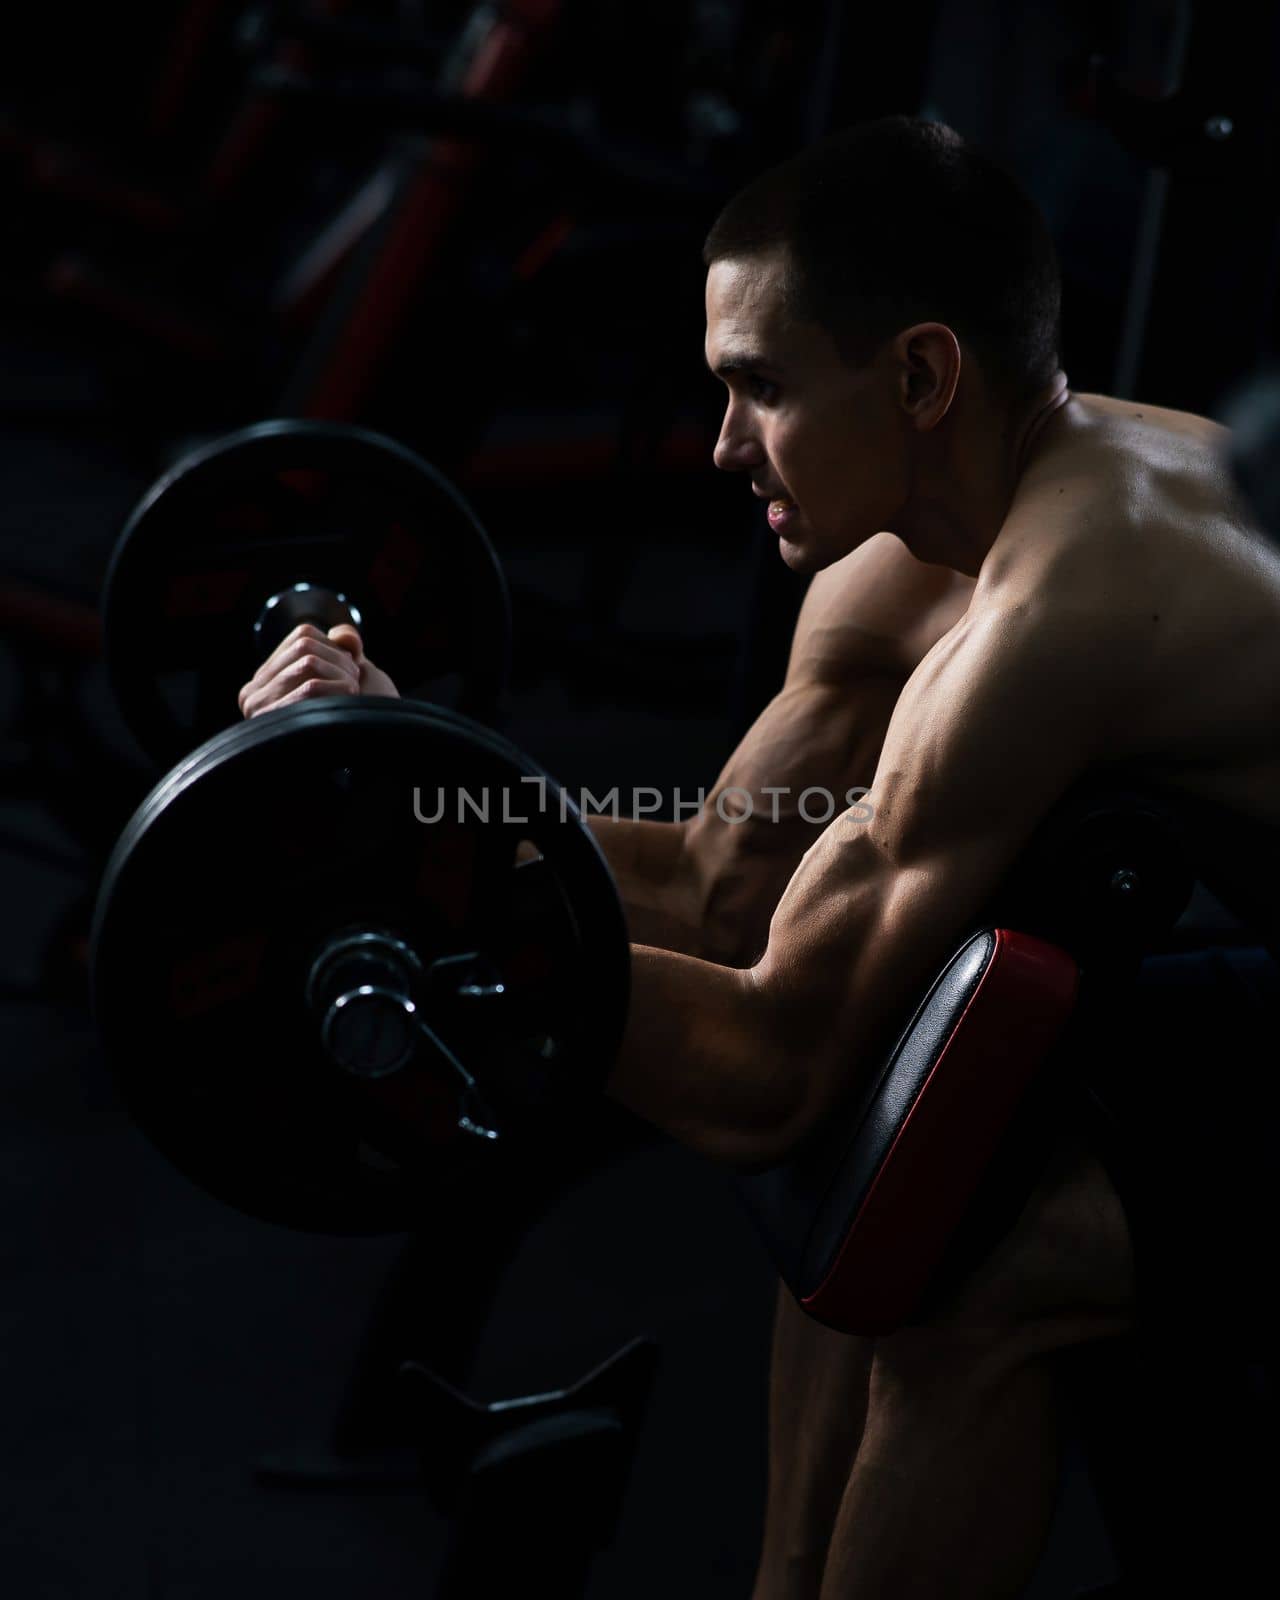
(1127, 466)
(1108, 412)
(1136, 499)
(1140, 501)
(878, 609)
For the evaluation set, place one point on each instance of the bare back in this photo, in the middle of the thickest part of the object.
(1133, 521)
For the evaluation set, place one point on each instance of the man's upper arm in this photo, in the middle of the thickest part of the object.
(821, 735)
(707, 884)
(999, 720)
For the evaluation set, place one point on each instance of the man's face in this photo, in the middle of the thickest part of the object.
(818, 438)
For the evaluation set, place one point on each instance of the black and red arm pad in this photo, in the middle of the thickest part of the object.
(860, 1221)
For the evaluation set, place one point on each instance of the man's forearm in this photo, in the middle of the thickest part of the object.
(703, 1058)
(655, 879)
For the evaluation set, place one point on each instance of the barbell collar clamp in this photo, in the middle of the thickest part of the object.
(361, 987)
(299, 603)
(362, 956)
(370, 1031)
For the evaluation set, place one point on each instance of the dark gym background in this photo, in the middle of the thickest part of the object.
(546, 352)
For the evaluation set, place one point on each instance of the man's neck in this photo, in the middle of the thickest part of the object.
(1045, 404)
(955, 521)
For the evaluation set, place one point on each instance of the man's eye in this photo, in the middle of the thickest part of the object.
(763, 389)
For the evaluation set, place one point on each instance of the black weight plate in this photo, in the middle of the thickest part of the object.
(286, 830)
(280, 503)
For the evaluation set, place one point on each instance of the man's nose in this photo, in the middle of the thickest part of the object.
(737, 449)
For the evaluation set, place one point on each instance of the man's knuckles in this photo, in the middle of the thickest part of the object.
(303, 665)
(306, 658)
(303, 638)
(278, 694)
(304, 630)
(312, 665)
(314, 688)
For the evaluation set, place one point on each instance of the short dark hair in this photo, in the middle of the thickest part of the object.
(899, 221)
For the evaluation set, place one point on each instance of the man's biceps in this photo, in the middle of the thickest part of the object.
(825, 914)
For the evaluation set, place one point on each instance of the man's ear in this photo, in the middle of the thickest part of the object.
(928, 356)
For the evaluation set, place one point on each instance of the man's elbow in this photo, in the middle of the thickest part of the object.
(801, 1038)
(719, 1060)
(744, 1147)
(779, 1077)
(751, 1150)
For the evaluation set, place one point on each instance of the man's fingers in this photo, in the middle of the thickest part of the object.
(307, 662)
(289, 644)
(290, 674)
(338, 677)
(305, 639)
(347, 638)
(296, 654)
(277, 694)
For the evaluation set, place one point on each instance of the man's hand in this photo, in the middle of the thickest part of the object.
(310, 663)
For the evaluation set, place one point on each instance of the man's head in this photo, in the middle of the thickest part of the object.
(848, 290)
